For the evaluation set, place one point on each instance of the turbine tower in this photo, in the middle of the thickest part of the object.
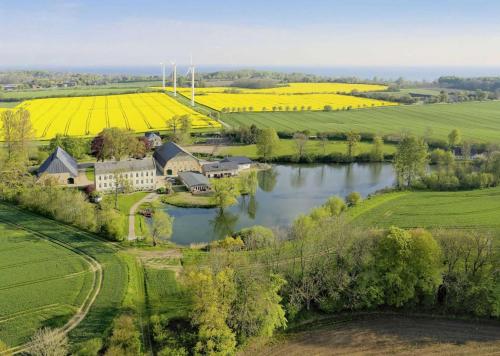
(174, 73)
(191, 70)
(163, 73)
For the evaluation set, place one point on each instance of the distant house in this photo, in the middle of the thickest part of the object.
(153, 139)
(139, 173)
(171, 159)
(61, 167)
(242, 162)
(220, 169)
(195, 182)
(9, 87)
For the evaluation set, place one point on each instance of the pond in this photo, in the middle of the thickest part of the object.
(283, 192)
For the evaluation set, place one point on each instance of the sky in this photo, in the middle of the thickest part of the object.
(250, 33)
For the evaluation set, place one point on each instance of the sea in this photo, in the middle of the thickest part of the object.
(428, 73)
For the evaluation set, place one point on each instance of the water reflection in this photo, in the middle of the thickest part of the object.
(267, 179)
(277, 196)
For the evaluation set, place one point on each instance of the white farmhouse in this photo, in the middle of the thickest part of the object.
(139, 173)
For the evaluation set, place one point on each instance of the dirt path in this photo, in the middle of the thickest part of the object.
(389, 335)
(131, 215)
(82, 312)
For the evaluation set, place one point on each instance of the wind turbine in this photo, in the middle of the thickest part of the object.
(191, 70)
(163, 72)
(174, 72)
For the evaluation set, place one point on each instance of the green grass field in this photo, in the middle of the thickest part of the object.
(163, 293)
(108, 302)
(464, 209)
(41, 283)
(478, 121)
(288, 147)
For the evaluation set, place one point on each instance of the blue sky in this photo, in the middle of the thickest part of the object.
(291, 33)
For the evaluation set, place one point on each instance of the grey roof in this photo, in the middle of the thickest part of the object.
(129, 165)
(220, 166)
(59, 161)
(238, 160)
(192, 178)
(152, 135)
(167, 151)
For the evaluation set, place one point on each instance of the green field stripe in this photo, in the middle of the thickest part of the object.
(42, 280)
(25, 312)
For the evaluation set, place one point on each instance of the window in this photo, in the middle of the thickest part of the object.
(142, 174)
(105, 185)
(137, 175)
(147, 174)
(169, 172)
(100, 185)
(100, 177)
(142, 182)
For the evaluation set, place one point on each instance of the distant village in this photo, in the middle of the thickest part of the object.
(169, 161)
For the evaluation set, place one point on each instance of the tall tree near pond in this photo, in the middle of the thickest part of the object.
(410, 160)
(267, 143)
(160, 227)
(454, 138)
(225, 192)
(377, 151)
(352, 139)
(300, 140)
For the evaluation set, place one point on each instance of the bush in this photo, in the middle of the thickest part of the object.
(125, 339)
(353, 199)
(89, 347)
(257, 237)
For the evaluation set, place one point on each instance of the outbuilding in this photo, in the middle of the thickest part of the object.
(171, 159)
(242, 162)
(195, 182)
(220, 169)
(61, 167)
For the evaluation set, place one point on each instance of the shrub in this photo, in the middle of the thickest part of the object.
(257, 237)
(353, 199)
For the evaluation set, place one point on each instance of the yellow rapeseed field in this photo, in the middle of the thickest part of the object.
(292, 88)
(85, 116)
(276, 102)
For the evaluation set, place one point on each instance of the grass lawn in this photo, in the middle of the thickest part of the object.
(288, 147)
(478, 121)
(463, 209)
(90, 173)
(188, 200)
(125, 202)
(9, 104)
(108, 302)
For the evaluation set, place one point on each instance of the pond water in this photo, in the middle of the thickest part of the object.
(283, 192)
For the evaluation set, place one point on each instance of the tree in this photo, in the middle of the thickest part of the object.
(454, 138)
(17, 132)
(335, 205)
(323, 139)
(174, 122)
(212, 295)
(377, 151)
(113, 142)
(125, 339)
(121, 184)
(161, 226)
(225, 192)
(186, 125)
(47, 342)
(76, 147)
(300, 140)
(352, 139)
(267, 143)
(410, 160)
(407, 265)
